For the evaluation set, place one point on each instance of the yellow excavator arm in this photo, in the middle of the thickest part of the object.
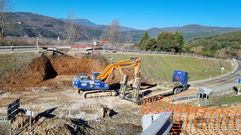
(132, 62)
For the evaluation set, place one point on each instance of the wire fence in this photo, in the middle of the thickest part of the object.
(189, 119)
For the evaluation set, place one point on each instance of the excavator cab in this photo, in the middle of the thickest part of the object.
(94, 75)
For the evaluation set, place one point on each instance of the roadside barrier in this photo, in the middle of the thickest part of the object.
(189, 119)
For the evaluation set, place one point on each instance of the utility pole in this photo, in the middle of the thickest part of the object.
(37, 47)
(222, 69)
(30, 124)
(10, 127)
(103, 44)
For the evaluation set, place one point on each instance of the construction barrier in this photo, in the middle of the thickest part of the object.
(189, 119)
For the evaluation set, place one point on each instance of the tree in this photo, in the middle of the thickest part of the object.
(178, 42)
(70, 29)
(151, 44)
(164, 41)
(171, 42)
(112, 32)
(3, 17)
(143, 40)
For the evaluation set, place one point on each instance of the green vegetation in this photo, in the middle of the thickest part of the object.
(224, 100)
(159, 67)
(143, 41)
(166, 41)
(225, 45)
(189, 32)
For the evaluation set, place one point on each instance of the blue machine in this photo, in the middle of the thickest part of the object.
(86, 83)
(180, 79)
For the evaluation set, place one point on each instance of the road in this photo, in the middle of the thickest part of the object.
(221, 82)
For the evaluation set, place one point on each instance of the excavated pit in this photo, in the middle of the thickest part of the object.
(44, 68)
(45, 71)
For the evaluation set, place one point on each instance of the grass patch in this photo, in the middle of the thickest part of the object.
(161, 67)
(11, 62)
(224, 100)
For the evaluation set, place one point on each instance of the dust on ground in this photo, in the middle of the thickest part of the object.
(44, 86)
(65, 109)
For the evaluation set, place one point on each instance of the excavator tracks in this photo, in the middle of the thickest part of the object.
(99, 93)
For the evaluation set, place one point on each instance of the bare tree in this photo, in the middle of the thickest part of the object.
(3, 17)
(112, 32)
(70, 29)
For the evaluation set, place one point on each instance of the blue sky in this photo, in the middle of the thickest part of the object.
(141, 14)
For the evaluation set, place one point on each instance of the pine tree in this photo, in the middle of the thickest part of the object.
(151, 44)
(179, 42)
(144, 39)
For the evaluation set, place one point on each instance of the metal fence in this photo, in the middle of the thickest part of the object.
(215, 92)
(113, 49)
(224, 91)
(184, 98)
(163, 53)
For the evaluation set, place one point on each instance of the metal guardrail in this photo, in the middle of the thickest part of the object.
(182, 98)
(113, 49)
(16, 47)
(223, 91)
(162, 53)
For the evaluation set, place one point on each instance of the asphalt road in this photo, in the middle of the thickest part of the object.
(222, 82)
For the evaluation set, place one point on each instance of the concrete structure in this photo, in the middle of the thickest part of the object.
(156, 124)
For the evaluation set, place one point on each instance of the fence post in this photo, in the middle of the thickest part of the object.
(37, 46)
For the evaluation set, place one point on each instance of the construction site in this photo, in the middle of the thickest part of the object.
(69, 93)
(146, 67)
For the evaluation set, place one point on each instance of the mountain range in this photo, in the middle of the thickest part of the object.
(88, 23)
(24, 24)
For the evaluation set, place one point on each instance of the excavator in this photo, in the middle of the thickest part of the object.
(96, 86)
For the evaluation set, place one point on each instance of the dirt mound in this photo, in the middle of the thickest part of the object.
(44, 68)
(117, 75)
(68, 65)
(38, 70)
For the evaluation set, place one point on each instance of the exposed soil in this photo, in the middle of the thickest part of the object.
(58, 71)
(61, 111)
(117, 75)
(68, 65)
(43, 69)
(38, 70)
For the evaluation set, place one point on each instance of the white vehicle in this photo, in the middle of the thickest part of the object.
(88, 50)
